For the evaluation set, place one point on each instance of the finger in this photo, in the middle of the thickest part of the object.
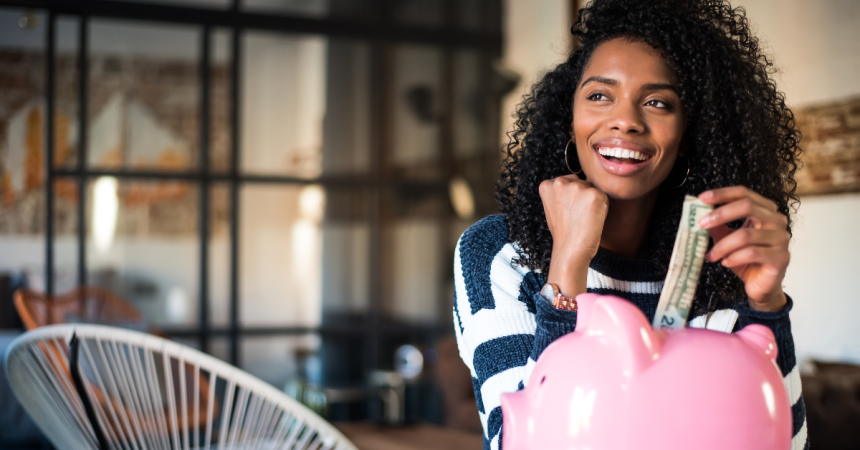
(745, 237)
(560, 186)
(744, 208)
(568, 178)
(775, 258)
(719, 232)
(573, 178)
(734, 193)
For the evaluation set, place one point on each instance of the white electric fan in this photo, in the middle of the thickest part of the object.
(92, 386)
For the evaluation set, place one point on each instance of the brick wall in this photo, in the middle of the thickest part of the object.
(831, 146)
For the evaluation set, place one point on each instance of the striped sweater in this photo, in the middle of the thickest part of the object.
(502, 323)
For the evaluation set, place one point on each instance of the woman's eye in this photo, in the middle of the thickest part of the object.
(657, 104)
(597, 96)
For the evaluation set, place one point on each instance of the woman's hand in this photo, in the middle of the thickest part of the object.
(575, 212)
(758, 251)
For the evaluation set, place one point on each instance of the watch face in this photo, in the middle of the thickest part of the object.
(547, 292)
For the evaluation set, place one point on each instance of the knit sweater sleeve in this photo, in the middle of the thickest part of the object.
(780, 324)
(501, 322)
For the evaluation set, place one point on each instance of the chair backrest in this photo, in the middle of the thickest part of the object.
(86, 303)
(142, 391)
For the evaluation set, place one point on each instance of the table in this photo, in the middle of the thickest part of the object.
(368, 436)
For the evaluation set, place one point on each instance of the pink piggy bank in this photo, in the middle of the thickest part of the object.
(616, 383)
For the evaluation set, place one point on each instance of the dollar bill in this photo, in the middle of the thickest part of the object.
(685, 266)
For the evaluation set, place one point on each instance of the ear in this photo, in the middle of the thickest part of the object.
(584, 304)
(760, 337)
(618, 321)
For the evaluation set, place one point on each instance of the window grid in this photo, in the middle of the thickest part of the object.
(381, 34)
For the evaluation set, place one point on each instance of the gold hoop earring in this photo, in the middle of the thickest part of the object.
(685, 176)
(566, 162)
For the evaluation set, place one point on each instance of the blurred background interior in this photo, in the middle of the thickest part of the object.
(282, 183)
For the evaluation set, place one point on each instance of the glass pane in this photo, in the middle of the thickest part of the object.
(470, 13)
(66, 125)
(306, 105)
(283, 103)
(412, 254)
(220, 128)
(65, 234)
(345, 258)
(219, 347)
(143, 244)
(470, 115)
(22, 152)
(347, 9)
(143, 96)
(414, 111)
(219, 254)
(354, 9)
(288, 235)
(279, 257)
(310, 8)
(420, 12)
(22, 29)
(343, 359)
(347, 122)
(278, 359)
(479, 15)
(192, 3)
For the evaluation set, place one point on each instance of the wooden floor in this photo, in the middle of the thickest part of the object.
(367, 436)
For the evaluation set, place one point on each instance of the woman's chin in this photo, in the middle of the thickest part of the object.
(624, 190)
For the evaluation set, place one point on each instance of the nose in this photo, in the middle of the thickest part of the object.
(627, 118)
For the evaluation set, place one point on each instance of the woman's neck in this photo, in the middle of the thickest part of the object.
(627, 224)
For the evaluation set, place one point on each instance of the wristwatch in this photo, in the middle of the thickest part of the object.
(551, 292)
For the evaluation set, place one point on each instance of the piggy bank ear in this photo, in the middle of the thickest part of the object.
(759, 336)
(619, 323)
(584, 303)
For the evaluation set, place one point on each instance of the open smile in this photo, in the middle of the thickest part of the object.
(622, 157)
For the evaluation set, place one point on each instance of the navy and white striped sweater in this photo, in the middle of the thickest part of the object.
(502, 323)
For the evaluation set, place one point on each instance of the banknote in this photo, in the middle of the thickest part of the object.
(685, 266)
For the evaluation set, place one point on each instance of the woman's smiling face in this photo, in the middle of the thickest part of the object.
(627, 119)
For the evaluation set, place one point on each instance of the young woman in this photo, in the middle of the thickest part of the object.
(662, 98)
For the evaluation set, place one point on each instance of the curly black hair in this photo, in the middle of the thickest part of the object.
(739, 130)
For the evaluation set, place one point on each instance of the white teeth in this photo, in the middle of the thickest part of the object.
(622, 153)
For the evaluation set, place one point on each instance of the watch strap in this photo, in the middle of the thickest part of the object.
(552, 293)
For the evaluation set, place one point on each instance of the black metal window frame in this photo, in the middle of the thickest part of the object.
(378, 32)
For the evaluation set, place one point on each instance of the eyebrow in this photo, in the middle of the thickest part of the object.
(661, 87)
(647, 87)
(602, 80)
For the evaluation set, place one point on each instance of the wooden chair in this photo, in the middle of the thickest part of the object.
(89, 304)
